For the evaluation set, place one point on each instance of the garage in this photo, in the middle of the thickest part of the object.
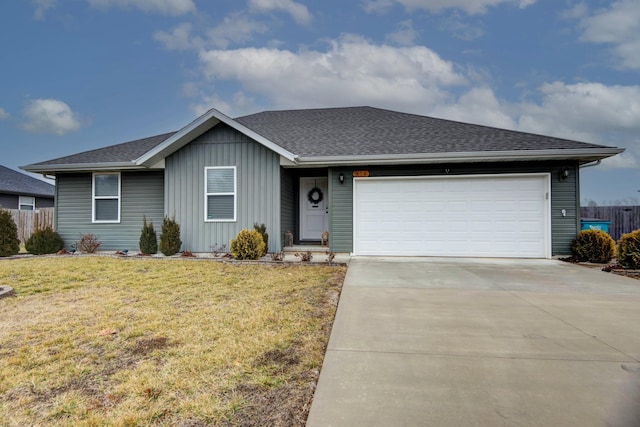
(454, 216)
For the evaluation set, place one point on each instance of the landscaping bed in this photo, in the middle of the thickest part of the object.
(138, 341)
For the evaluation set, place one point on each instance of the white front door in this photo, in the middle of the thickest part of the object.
(314, 208)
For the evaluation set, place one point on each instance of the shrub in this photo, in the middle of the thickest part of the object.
(593, 246)
(148, 238)
(88, 243)
(170, 237)
(248, 244)
(629, 250)
(262, 229)
(45, 241)
(9, 242)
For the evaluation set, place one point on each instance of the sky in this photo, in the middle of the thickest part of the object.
(76, 75)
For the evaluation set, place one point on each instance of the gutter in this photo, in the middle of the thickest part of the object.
(591, 164)
(462, 157)
(81, 167)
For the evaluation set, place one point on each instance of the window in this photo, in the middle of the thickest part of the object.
(106, 197)
(27, 203)
(220, 194)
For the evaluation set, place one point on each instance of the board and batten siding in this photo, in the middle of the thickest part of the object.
(564, 195)
(142, 194)
(258, 188)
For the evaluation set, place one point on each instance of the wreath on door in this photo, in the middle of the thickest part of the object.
(315, 196)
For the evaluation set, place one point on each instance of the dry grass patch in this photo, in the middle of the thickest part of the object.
(100, 341)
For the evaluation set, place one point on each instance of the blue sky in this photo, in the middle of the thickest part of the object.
(82, 74)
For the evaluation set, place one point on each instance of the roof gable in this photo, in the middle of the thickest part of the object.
(14, 182)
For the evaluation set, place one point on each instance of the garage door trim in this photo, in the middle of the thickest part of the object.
(545, 222)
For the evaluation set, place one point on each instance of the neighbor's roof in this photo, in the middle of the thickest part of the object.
(14, 182)
(351, 135)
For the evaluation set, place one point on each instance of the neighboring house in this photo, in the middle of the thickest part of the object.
(380, 182)
(20, 191)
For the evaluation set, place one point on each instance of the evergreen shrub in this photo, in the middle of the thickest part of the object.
(248, 244)
(593, 246)
(45, 241)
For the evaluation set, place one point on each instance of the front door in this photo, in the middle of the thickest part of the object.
(314, 208)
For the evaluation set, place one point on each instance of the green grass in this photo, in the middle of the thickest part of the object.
(94, 341)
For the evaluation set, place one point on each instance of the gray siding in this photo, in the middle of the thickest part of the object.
(9, 201)
(563, 196)
(44, 202)
(258, 188)
(142, 194)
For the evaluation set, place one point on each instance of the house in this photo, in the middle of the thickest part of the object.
(20, 191)
(380, 182)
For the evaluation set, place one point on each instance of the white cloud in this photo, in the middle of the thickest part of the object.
(405, 36)
(179, 38)
(479, 105)
(167, 7)
(351, 72)
(50, 116)
(617, 26)
(471, 7)
(298, 11)
(460, 27)
(3, 114)
(42, 6)
(235, 28)
(590, 112)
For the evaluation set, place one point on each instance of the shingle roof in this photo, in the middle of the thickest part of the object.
(18, 183)
(372, 131)
(339, 133)
(119, 153)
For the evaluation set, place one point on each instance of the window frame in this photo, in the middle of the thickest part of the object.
(234, 194)
(94, 198)
(21, 203)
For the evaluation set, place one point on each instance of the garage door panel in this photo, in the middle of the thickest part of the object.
(504, 216)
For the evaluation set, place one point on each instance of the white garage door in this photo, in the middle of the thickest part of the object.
(475, 216)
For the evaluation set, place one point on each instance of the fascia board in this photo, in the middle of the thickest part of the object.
(196, 128)
(81, 167)
(463, 157)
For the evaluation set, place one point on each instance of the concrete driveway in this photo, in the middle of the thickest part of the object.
(471, 342)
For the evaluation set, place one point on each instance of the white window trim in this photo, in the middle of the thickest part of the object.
(234, 194)
(20, 202)
(94, 198)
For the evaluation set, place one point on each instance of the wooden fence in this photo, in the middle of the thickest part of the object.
(29, 221)
(624, 219)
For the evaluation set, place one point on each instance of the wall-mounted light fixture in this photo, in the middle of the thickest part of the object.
(341, 178)
(564, 174)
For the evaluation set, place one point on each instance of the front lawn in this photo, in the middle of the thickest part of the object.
(104, 341)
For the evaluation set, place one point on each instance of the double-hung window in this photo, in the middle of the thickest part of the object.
(106, 197)
(27, 203)
(220, 194)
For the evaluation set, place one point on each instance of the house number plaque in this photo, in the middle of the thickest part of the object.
(360, 174)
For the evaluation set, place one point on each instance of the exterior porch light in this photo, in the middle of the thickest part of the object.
(341, 178)
(564, 174)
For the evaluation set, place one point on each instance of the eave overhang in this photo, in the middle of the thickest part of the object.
(583, 155)
(82, 167)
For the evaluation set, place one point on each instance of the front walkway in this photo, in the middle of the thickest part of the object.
(455, 342)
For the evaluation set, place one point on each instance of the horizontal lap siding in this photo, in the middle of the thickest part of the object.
(258, 188)
(142, 194)
(563, 196)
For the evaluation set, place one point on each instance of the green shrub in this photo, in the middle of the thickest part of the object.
(593, 246)
(148, 238)
(629, 250)
(262, 229)
(45, 241)
(170, 237)
(9, 242)
(248, 244)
